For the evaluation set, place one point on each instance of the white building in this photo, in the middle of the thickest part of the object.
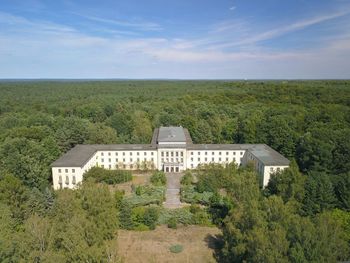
(171, 150)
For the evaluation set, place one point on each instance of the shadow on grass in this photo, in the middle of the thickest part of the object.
(216, 243)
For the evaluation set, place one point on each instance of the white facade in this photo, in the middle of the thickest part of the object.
(171, 150)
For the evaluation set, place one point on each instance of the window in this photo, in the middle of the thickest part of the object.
(123, 160)
(109, 154)
(172, 160)
(59, 170)
(220, 159)
(144, 159)
(234, 153)
(219, 153)
(130, 159)
(152, 153)
(67, 180)
(177, 154)
(138, 153)
(199, 153)
(182, 160)
(206, 159)
(182, 153)
(199, 159)
(74, 180)
(144, 153)
(192, 159)
(241, 159)
(109, 159)
(191, 153)
(206, 153)
(172, 154)
(278, 169)
(226, 153)
(116, 160)
(241, 153)
(226, 159)
(102, 160)
(212, 153)
(138, 159)
(271, 170)
(162, 160)
(131, 166)
(212, 159)
(110, 166)
(124, 166)
(101, 154)
(167, 154)
(123, 153)
(73, 170)
(130, 153)
(192, 165)
(116, 154)
(162, 154)
(60, 179)
(66, 170)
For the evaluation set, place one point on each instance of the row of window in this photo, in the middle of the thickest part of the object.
(67, 180)
(213, 153)
(130, 153)
(124, 159)
(173, 160)
(66, 170)
(278, 169)
(172, 154)
(212, 159)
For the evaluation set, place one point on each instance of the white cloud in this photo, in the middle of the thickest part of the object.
(232, 8)
(139, 25)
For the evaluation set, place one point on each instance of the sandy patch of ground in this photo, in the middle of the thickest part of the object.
(199, 244)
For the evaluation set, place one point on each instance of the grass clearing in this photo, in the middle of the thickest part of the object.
(198, 243)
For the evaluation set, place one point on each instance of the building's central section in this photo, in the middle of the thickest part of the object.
(171, 149)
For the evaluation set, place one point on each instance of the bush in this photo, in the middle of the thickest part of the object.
(125, 215)
(146, 195)
(181, 216)
(176, 248)
(150, 217)
(101, 175)
(189, 194)
(158, 178)
(187, 179)
(172, 223)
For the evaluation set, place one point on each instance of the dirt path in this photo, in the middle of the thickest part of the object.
(172, 198)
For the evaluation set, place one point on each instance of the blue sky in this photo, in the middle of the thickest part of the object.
(182, 39)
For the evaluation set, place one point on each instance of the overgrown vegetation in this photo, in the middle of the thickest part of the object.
(302, 216)
(101, 175)
(158, 178)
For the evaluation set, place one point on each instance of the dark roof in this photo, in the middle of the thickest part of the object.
(81, 154)
(188, 137)
(267, 155)
(75, 157)
(218, 147)
(171, 134)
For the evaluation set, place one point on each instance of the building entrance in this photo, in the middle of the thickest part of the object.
(171, 168)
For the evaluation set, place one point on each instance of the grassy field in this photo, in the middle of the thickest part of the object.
(199, 244)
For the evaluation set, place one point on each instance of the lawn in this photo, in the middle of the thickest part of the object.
(199, 244)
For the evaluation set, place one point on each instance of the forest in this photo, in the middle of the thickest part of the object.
(303, 215)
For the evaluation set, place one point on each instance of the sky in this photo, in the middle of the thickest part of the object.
(179, 39)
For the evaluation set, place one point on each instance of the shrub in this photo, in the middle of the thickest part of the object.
(146, 195)
(189, 194)
(181, 216)
(101, 175)
(176, 248)
(158, 178)
(187, 179)
(125, 215)
(150, 217)
(172, 223)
